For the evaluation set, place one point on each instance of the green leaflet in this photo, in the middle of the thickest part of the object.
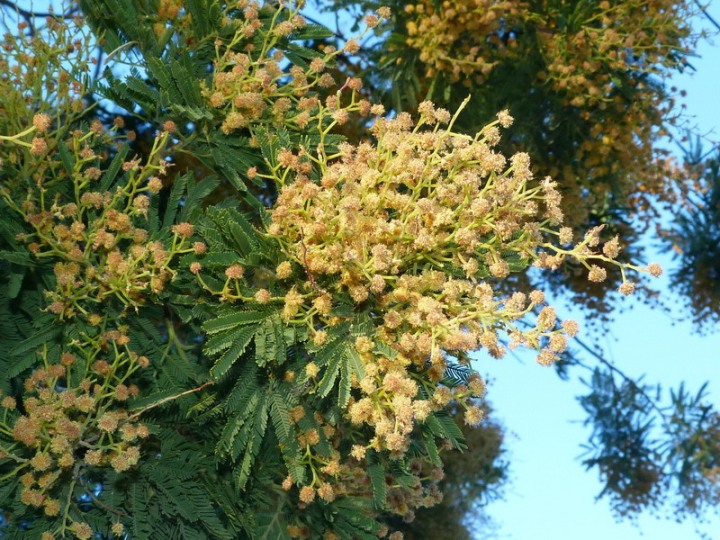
(232, 332)
(217, 259)
(189, 501)
(235, 231)
(141, 90)
(245, 386)
(456, 374)
(247, 443)
(250, 404)
(376, 472)
(227, 230)
(237, 347)
(131, 93)
(280, 401)
(117, 21)
(329, 357)
(66, 158)
(194, 114)
(352, 519)
(24, 353)
(16, 257)
(431, 447)
(220, 342)
(233, 318)
(270, 346)
(15, 282)
(516, 262)
(231, 157)
(113, 169)
(271, 142)
(173, 202)
(177, 80)
(205, 16)
(141, 521)
(340, 359)
(313, 31)
(442, 426)
(246, 398)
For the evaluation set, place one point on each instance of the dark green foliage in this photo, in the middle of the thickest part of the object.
(643, 447)
(695, 240)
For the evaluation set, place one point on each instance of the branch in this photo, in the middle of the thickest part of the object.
(170, 398)
(30, 15)
(100, 503)
(622, 374)
(707, 15)
(27, 14)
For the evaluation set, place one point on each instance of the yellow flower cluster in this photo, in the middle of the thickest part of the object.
(254, 85)
(336, 476)
(417, 229)
(416, 224)
(66, 427)
(99, 238)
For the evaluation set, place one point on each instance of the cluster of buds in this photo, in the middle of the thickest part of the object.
(337, 472)
(633, 39)
(69, 424)
(609, 39)
(420, 227)
(100, 238)
(252, 85)
(599, 67)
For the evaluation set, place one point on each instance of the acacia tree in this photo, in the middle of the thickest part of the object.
(240, 291)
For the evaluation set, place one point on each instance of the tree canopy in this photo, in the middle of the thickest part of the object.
(246, 259)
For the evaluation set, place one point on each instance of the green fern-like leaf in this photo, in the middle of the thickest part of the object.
(376, 473)
(240, 340)
(341, 362)
(230, 319)
(249, 441)
(280, 402)
(270, 343)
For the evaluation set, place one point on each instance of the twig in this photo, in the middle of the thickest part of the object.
(100, 503)
(29, 16)
(621, 373)
(309, 273)
(707, 15)
(170, 398)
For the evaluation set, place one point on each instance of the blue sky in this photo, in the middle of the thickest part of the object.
(551, 496)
